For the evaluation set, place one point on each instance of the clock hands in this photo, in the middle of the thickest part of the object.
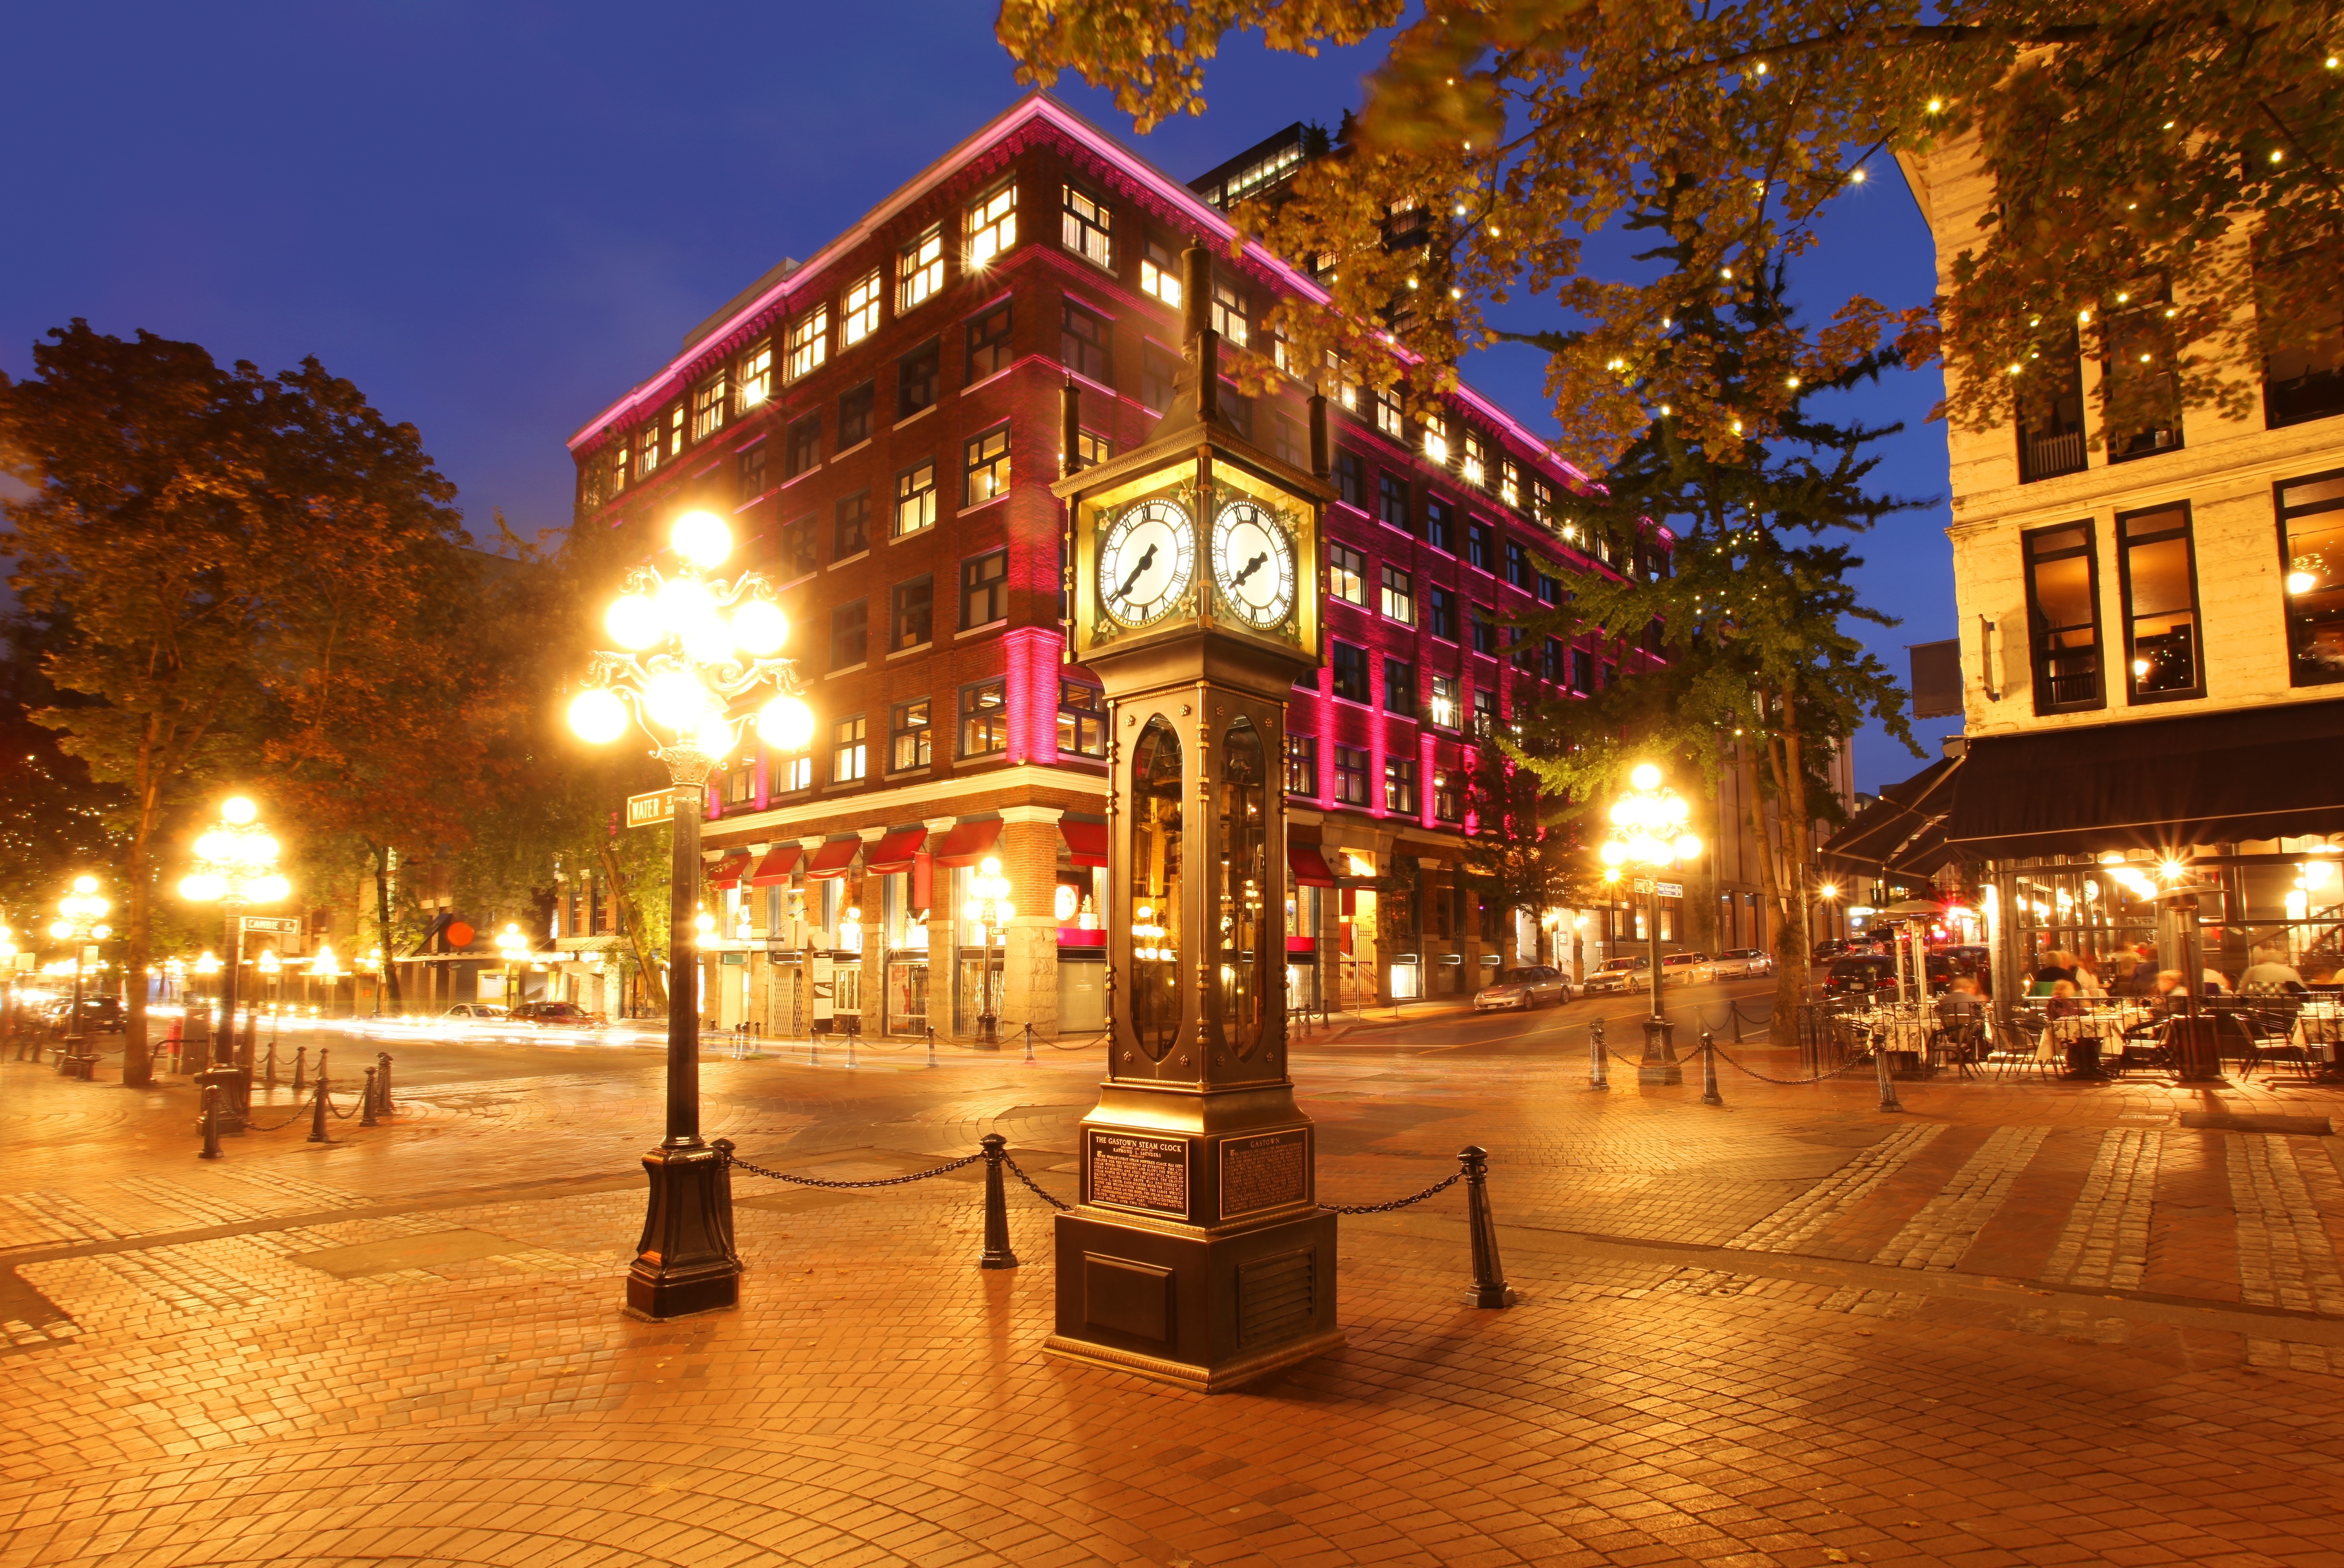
(1256, 564)
(1146, 561)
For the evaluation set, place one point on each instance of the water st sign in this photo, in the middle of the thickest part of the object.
(1665, 889)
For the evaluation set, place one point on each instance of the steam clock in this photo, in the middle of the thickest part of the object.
(1198, 1253)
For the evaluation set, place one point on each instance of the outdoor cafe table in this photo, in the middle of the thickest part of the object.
(2100, 1025)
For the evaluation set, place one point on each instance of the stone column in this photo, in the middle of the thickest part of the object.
(1029, 859)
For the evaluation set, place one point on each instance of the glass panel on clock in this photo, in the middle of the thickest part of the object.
(1156, 889)
(1243, 977)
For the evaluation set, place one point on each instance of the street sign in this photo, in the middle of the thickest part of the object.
(282, 924)
(1666, 889)
(643, 810)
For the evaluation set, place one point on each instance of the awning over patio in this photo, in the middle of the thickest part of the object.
(775, 868)
(727, 872)
(1086, 841)
(969, 842)
(1308, 866)
(894, 852)
(835, 855)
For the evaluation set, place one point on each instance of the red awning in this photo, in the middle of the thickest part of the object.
(775, 868)
(832, 858)
(729, 870)
(894, 852)
(1309, 866)
(969, 842)
(1087, 841)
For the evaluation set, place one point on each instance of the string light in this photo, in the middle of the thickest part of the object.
(1857, 177)
(1936, 105)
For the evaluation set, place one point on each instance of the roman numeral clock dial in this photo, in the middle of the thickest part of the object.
(1147, 563)
(1253, 563)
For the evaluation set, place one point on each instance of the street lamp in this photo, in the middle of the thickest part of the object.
(1648, 834)
(990, 891)
(236, 865)
(325, 966)
(513, 947)
(373, 963)
(695, 646)
(80, 915)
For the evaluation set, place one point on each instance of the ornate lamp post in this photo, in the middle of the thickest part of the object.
(696, 648)
(327, 967)
(80, 915)
(990, 892)
(514, 948)
(373, 963)
(236, 865)
(1648, 834)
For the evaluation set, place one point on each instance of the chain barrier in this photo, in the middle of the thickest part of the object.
(1844, 1066)
(1033, 1187)
(733, 1158)
(300, 1109)
(1095, 1040)
(341, 1114)
(1397, 1202)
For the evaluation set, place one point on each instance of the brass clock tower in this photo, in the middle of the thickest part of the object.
(1198, 1254)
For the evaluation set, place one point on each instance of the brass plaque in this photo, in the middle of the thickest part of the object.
(1130, 1172)
(1268, 1171)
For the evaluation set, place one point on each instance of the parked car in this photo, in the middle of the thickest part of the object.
(1618, 975)
(100, 1014)
(554, 1016)
(473, 1011)
(1968, 960)
(1869, 974)
(1742, 962)
(1686, 968)
(1524, 988)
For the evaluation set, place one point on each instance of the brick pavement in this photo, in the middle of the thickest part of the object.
(2019, 1324)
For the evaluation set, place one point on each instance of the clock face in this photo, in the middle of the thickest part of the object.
(1146, 562)
(1253, 563)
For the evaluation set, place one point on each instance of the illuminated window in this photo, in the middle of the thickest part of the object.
(848, 760)
(985, 719)
(1342, 386)
(808, 341)
(753, 380)
(911, 613)
(1160, 273)
(648, 448)
(1485, 711)
(1083, 227)
(617, 470)
(1351, 775)
(675, 430)
(1092, 448)
(1301, 764)
(1081, 719)
(860, 313)
(1447, 800)
(985, 467)
(1347, 574)
(916, 498)
(1399, 785)
(1229, 312)
(2158, 579)
(1435, 438)
(920, 269)
(909, 736)
(1509, 491)
(2311, 567)
(790, 775)
(1388, 412)
(991, 224)
(1441, 705)
(1475, 466)
(1399, 596)
(983, 590)
(988, 344)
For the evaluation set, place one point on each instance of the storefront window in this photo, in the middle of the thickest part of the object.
(1156, 889)
(1243, 967)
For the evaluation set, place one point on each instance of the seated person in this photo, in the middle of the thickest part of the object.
(2065, 1003)
(1961, 1004)
(2129, 977)
(2270, 971)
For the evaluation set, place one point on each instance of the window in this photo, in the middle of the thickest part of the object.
(1549, 589)
(1388, 412)
(752, 465)
(1289, 442)
(1342, 386)
(1582, 670)
(1435, 438)
(1439, 524)
(1399, 785)
(920, 269)
(2049, 392)
(1350, 666)
(1442, 707)
(2063, 618)
(1400, 686)
(1351, 775)
(911, 613)
(1518, 565)
(790, 775)
(1301, 764)
(915, 379)
(803, 446)
(2158, 581)
(2144, 396)
(1350, 485)
(1237, 409)
(992, 224)
(985, 467)
(708, 401)
(1082, 720)
(985, 719)
(1523, 656)
(1092, 449)
(800, 553)
(648, 449)
(859, 313)
(616, 471)
(855, 415)
(985, 590)
(1160, 273)
(674, 430)
(847, 760)
(1158, 375)
(1474, 469)
(909, 736)
(1229, 311)
(1083, 228)
(1485, 712)
(2303, 349)
(740, 784)
(808, 341)
(2311, 569)
(1085, 346)
(1485, 632)
(1399, 600)
(851, 534)
(1550, 660)
(1347, 574)
(754, 380)
(916, 499)
(1447, 802)
(988, 344)
(1477, 544)
(849, 634)
(1510, 492)
(1392, 501)
(1440, 612)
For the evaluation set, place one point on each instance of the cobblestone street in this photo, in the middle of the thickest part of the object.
(2020, 1322)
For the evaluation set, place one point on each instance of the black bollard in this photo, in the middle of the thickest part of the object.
(366, 1106)
(318, 1110)
(1489, 1275)
(382, 1090)
(998, 1254)
(932, 1045)
(1709, 1094)
(300, 1071)
(1735, 1008)
(211, 1123)
(268, 1070)
(1599, 1072)
(1029, 1042)
(1888, 1100)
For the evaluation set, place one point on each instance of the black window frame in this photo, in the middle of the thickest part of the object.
(979, 457)
(1350, 777)
(1352, 566)
(918, 729)
(994, 588)
(2305, 629)
(2194, 642)
(1482, 623)
(1349, 479)
(1084, 718)
(992, 719)
(987, 343)
(799, 552)
(1301, 755)
(1399, 686)
(857, 414)
(912, 612)
(1090, 352)
(2039, 654)
(1393, 502)
(1158, 379)
(802, 449)
(1347, 663)
(1396, 584)
(1440, 612)
(850, 634)
(749, 469)
(850, 530)
(1401, 780)
(1477, 544)
(919, 377)
(1441, 524)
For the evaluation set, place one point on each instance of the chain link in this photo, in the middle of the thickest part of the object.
(343, 1115)
(1033, 1187)
(732, 1158)
(300, 1109)
(1397, 1202)
(1844, 1066)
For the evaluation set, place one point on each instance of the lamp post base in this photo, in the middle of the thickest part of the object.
(685, 1262)
(1660, 1063)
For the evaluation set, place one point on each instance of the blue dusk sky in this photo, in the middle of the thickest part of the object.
(496, 219)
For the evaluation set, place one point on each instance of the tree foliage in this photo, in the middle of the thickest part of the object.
(2125, 142)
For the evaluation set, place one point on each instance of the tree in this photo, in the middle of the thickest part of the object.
(228, 549)
(56, 825)
(1762, 673)
(2124, 143)
(1522, 848)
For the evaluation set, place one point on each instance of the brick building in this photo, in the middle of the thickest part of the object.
(880, 422)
